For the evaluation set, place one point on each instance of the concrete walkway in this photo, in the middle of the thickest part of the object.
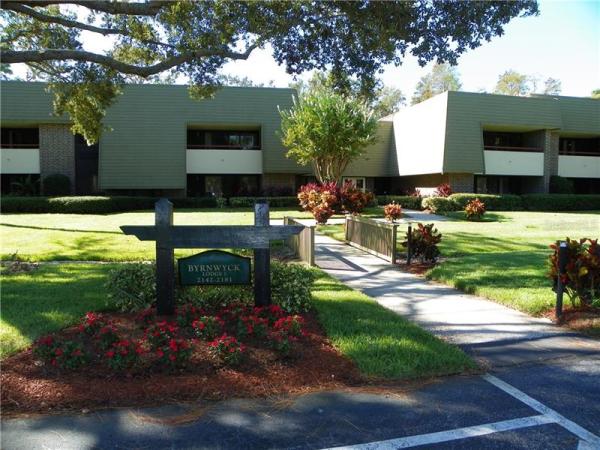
(494, 334)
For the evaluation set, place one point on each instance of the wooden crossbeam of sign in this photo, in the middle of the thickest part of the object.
(207, 236)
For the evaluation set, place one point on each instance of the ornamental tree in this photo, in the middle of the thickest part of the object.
(193, 40)
(327, 130)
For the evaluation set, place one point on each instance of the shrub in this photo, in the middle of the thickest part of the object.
(132, 287)
(274, 202)
(582, 277)
(324, 200)
(228, 349)
(95, 204)
(66, 354)
(406, 201)
(561, 185)
(56, 184)
(424, 240)
(561, 202)
(161, 333)
(443, 190)
(392, 211)
(175, 353)
(492, 202)
(208, 327)
(187, 314)
(439, 205)
(290, 287)
(91, 324)
(124, 355)
(214, 297)
(106, 337)
(475, 209)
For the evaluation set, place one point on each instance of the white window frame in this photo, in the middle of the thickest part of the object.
(353, 180)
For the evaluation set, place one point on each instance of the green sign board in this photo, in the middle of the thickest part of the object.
(214, 267)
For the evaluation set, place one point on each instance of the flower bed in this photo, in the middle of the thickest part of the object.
(137, 359)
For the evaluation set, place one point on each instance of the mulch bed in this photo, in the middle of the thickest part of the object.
(415, 267)
(29, 386)
(583, 319)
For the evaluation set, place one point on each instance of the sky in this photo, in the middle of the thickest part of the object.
(563, 42)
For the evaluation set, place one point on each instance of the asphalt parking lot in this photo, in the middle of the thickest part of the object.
(555, 405)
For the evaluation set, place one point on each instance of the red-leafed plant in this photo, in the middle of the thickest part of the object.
(392, 211)
(424, 241)
(443, 190)
(324, 200)
(228, 348)
(208, 327)
(124, 355)
(475, 209)
(581, 279)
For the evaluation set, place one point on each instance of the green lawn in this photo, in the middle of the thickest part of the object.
(48, 299)
(504, 260)
(380, 342)
(80, 237)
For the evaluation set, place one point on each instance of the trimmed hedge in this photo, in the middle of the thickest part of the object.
(406, 201)
(530, 202)
(94, 205)
(275, 202)
(492, 202)
(439, 205)
(561, 202)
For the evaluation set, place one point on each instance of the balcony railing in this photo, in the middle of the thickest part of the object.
(576, 153)
(220, 147)
(503, 148)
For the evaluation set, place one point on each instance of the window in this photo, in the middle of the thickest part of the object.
(357, 182)
(493, 140)
(223, 139)
(20, 138)
(579, 146)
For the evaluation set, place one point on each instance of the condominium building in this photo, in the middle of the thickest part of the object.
(158, 141)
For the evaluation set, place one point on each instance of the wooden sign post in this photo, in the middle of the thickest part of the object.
(168, 237)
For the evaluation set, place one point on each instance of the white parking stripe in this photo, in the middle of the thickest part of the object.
(451, 435)
(577, 430)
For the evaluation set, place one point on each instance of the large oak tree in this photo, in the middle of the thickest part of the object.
(195, 39)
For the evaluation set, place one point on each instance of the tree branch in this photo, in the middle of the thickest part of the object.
(26, 10)
(28, 56)
(150, 8)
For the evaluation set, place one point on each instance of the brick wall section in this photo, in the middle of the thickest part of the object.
(551, 141)
(57, 151)
(461, 182)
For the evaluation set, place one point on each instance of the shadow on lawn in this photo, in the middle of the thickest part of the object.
(32, 227)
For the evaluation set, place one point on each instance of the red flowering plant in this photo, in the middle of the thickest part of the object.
(352, 199)
(161, 333)
(44, 347)
(187, 314)
(581, 279)
(392, 211)
(106, 336)
(252, 326)
(475, 209)
(443, 190)
(147, 316)
(66, 355)
(91, 323)
(272, 313)
(124, 355)
(208, 327)
(228, 348)
(175, 353)
(285, 331)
